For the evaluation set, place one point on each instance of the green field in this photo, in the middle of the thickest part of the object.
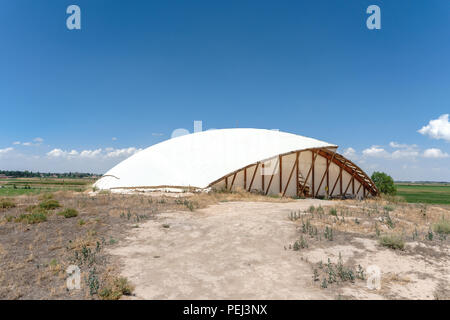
(19, 186)
(425, 193)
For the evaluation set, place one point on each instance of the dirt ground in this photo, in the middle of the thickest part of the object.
(233, 250)
(222, 246)
(244, 250)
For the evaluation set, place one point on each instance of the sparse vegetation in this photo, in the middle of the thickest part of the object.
(328, 233)
(442, 226)
(337, 273)
(116, 289)
(300, 244)
(68, 213)
(32, 218)
(6, 204)
(333, 211)
(49, 204)
(44, 250)
(392, 241)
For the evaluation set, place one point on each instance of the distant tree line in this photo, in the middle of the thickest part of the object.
(30, 174)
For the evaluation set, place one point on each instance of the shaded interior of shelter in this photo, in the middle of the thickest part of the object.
(317, 173)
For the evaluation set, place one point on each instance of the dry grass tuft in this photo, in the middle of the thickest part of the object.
(392, 241)
(204, 199)
(442, 226)
(68, 213)
(7, 204)
(116, 288)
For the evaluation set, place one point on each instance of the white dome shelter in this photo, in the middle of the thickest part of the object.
(257, 160)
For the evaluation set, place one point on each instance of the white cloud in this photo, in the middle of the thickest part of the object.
(375, 151)
(6, 150)
(409, 151)
(396, 145)
(90, 153)
(438, 128)
(93, 154)
(56, 153)
(404, 153)
(36, 142)
(349, 153)
(122, 152)
(114, 139)
(435, 153)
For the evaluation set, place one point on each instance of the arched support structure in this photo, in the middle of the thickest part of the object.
(316, 172)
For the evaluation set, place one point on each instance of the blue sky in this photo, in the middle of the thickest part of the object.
(138, 70)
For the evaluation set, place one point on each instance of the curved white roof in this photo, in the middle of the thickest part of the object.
(198, 159)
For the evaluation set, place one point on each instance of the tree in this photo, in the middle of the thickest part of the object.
(384, 183)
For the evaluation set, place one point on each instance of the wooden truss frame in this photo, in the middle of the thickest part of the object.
(331, 157)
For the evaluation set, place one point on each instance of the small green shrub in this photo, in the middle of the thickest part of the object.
(36, 210)
(311, 209)
(300, 244)
(119, 286)
(68, 213)
(429, 236)
(46, 196)
(333, 212)
(392, 241)
(32, 218)
(328, 233)
(49, 204)
(442, 227)
(7, 204)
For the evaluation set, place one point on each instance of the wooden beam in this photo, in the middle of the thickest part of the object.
(340, 184)
(345, 192)
(280, 159)
(328, 179)
(290, 175)
(326, 171)
(232, 182)
(245, 178)
(226, 182)
(253, 177)
(262, 177)
(313, 174)
(335, 183)
(296, 173)
(309, 172)
(353, 185)
(270, 182)
(351, 168)
(360, 185)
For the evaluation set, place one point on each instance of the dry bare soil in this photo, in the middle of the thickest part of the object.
(224, 246)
